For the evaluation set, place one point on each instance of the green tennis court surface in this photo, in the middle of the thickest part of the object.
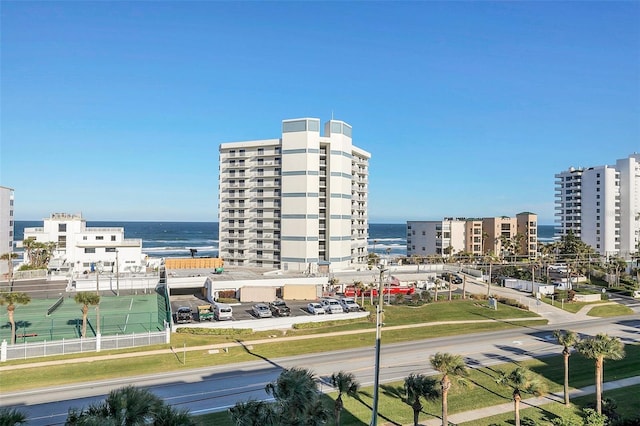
(118, 315)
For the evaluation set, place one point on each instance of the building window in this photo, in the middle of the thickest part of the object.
(110, 250)
(99, 238)
(62, 241)
(113, 238)
(260, 151)
(62, 227)
(89, 250)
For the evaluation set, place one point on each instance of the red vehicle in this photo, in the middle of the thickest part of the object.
(391, 290)
(351, 291)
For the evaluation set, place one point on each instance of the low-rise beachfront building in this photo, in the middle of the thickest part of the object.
(6, 227)
(502, 235)
(80, 249)
(601, 206)
(295, 203)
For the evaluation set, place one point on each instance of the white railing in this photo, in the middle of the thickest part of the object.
(88, 344)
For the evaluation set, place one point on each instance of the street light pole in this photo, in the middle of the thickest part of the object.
(376, 380)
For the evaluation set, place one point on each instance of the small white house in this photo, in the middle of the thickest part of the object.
(81, 249)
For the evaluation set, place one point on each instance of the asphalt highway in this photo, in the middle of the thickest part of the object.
(217, 388)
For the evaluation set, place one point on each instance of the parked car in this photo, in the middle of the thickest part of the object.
(222, 312)
(315, 308)
(279, 308)
(349, 304)
(261, 310)
(452, 278)
(331, 306)
(184, 315)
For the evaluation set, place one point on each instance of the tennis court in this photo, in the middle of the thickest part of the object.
(115, 315)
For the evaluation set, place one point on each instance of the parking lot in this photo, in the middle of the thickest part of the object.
(241, 311)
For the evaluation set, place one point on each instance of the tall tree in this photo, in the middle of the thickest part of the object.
(86, 298)
(10, 299)
(599, 348)
(520, 381)
(450, 366)
(567, 339)
(346, 384)
(418, 386)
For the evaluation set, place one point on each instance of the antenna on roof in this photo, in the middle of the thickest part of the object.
(331, 115)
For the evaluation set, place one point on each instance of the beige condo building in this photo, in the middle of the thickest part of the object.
(477, 236)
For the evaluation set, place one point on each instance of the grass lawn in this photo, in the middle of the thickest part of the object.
(484, 391)
(610, 311)
(628, 399)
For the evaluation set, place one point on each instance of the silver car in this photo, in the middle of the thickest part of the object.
(261, 310)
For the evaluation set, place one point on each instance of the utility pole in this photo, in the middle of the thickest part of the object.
(379, 317)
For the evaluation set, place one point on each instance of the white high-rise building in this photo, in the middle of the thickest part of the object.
(6, 226)
(601, 206)
(296, 202)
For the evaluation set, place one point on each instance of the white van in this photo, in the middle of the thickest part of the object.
(222, 311)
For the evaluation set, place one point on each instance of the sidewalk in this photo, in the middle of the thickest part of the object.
(558, 397)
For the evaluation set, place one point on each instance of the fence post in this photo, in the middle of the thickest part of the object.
(167, 333)
(3, 351)
(98, 342)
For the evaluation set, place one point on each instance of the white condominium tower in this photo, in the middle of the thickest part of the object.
(6, 228)
(296, 202)
(601, 206)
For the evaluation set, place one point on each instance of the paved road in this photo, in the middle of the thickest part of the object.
(210, 389)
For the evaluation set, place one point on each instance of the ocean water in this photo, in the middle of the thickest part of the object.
(176, 239)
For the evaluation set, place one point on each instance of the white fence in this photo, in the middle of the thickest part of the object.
(88, 344)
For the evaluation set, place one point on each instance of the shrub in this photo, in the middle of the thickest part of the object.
(215, 331)
(310, 325)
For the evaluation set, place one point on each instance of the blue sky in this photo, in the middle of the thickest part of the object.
(116, 109)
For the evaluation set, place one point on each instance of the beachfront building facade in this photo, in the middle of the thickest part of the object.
(80, 249)
(501, 236)
(296, 202)
(601, 206)
(436, 237)
(7, 226)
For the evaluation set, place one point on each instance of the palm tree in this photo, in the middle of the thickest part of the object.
(9, 258)
(171, 416)
(252, 413)
(521, 381)
(297, 397)
(129, 406)
(86, 298)
(12, 417)
(450, 366)
(11, 299)
(346, 384)
(418, 386)
(600, 347)
(567, 339)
